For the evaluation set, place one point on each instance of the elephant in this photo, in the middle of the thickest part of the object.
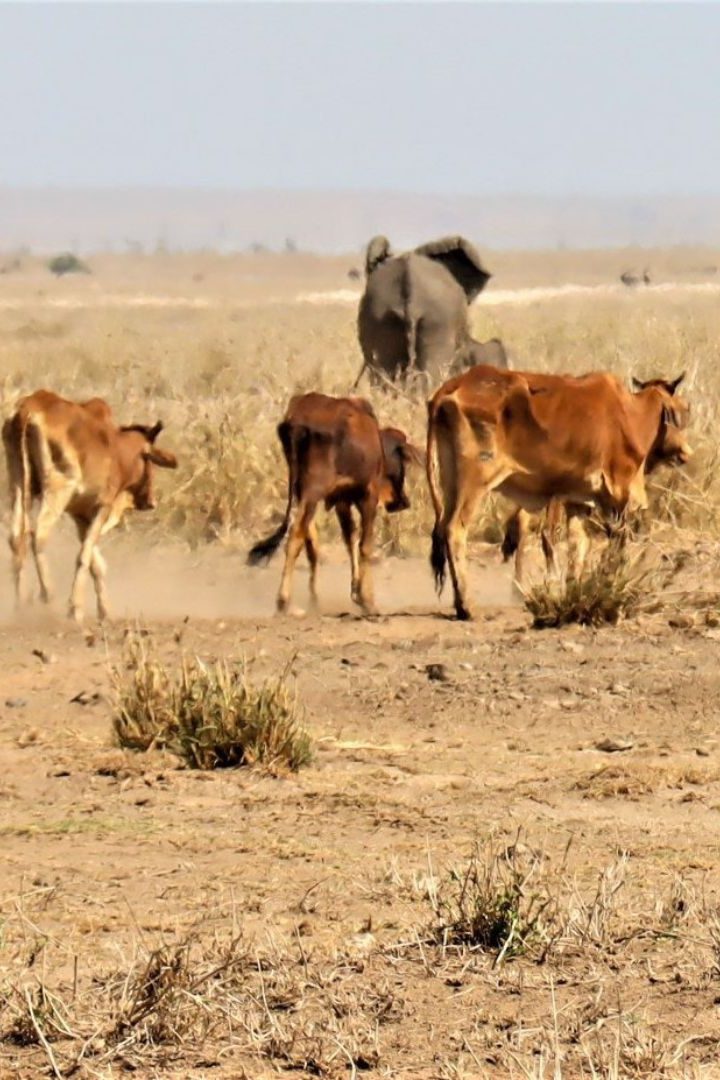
(413, 315)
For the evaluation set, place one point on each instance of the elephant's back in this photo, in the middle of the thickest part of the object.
(411, 281)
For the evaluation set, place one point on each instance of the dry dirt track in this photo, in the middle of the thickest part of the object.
(104, 853)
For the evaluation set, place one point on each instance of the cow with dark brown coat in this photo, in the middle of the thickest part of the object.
(336, 453)
(532, 438)
(70, 457)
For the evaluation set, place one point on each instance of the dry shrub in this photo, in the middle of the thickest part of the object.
(616, 587)
(206, 992)
(210, 715)
(498, 902)
(171, 998)
(635, 779)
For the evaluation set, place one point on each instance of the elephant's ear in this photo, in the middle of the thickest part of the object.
(462, 260)
(378, 250)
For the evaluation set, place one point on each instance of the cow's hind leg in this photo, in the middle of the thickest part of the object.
(363, 595)
(312, 552)
(349, 535)
(53, 504)
(295, 543)
(458, 525)
(18, 539)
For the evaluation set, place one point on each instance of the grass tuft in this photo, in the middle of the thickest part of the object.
(210, 715)
(492, 905)
(616, 587)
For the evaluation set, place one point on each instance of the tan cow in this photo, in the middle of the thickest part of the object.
(582, 440)
(671, 449)
(337, 454)
(70, 457)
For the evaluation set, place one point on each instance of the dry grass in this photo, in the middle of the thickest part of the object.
(220, 377)
(571, 1003)
(619, 584)
(495, 902)
(209, 714)
(529, 967)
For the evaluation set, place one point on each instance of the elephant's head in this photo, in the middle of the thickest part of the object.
(462, 259)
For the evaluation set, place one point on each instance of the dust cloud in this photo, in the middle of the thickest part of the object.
(167, 581)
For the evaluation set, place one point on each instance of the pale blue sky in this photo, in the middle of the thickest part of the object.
(447, 98)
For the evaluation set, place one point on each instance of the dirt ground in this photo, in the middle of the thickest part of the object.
(327, 876)
(502, 860)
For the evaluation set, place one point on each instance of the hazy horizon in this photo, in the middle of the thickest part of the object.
(221, 125)
(428, 99)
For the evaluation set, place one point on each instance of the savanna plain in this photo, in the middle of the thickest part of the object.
(498, 855)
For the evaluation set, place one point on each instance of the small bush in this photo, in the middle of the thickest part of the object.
(67, 263)
(210, 715)
(489, 904)
(616, 587)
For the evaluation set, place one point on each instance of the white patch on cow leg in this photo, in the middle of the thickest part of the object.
(295, 543)
(85, 561)
(53, 504)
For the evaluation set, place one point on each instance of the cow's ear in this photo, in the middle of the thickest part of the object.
(411, 455)
(155, 431)
(637, 384)
(672, 386)
(162, 458)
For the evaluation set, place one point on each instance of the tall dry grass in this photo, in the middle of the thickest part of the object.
(220, 376)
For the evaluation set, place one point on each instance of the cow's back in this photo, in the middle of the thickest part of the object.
(337, 439)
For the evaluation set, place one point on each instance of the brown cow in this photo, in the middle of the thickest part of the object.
(336, 453)
(670, 449)
(532, 438)
(71, 458)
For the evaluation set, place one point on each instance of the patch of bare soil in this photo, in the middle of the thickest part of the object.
(164, 922)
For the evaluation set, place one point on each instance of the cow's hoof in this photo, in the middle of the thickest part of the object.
(289, 611)
(463, 613)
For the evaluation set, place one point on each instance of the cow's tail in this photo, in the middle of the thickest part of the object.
(438, 547)
(264, 550)
(15, 440)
